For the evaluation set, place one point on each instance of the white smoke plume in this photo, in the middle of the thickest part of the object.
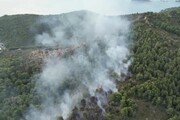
(65, 80)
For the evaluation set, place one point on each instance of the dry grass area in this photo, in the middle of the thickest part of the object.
(146, 111)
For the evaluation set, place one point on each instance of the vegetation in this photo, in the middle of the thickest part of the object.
(20, 30)
(16, 30)
(16, 86)
(153, 90)
(156, 66)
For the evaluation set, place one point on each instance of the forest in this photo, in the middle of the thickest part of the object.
(151, 91)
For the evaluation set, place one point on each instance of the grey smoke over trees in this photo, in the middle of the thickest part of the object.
(101, 48)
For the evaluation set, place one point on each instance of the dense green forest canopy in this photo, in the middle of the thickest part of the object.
(151, 92)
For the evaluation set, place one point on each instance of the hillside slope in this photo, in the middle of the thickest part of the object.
(152, 91)
(20, 30)
(16, 30)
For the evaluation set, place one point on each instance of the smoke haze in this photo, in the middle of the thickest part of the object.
(99, 47)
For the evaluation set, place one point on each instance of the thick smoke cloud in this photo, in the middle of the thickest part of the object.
(99, 48)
